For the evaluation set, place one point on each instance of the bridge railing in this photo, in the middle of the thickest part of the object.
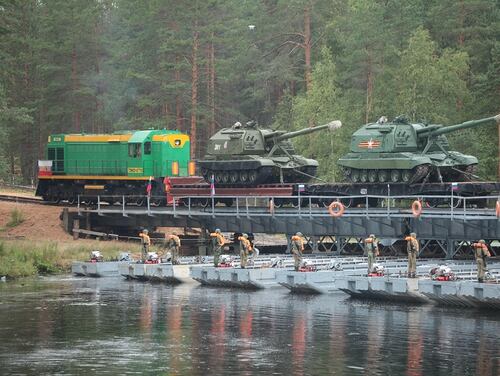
(443, 206)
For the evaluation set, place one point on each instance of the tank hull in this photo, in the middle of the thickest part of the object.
(408, 167)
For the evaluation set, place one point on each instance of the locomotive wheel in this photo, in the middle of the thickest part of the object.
(252, 176)
(225, 177)
(395, 175)
(363, 176)
(218, 176)
(205, 173)
(243, 176)
(233, 177)
(382, 176)
(372, 176)
(355, 176)
(406, 176)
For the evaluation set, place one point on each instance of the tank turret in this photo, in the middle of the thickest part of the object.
(400, 151)
(249, 155)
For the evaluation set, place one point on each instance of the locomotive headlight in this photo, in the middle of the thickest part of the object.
(177, 142)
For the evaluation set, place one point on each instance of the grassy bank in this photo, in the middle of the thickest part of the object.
(27, 258)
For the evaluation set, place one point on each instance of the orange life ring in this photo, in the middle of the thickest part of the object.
(416, 208)
(336, 209)
(497, 209)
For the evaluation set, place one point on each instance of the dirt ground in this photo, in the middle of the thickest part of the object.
(40, 222)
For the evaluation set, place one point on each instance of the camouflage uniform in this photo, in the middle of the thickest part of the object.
(481, 252)
(173, 245)
(146, 242)
(372, 251)
(412, 247)
(217, 245)
(244, 250)
(297, 249)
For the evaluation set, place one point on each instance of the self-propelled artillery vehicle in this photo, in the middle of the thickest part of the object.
(400, 151)
(247, 155)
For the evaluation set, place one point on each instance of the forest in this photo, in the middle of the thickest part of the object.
(95, 66)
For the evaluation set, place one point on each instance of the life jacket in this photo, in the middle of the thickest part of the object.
(175, 239)
(145, 238)
(299, 242)
(481, 250)
(412, 244)
(219, 237)
(245, 243)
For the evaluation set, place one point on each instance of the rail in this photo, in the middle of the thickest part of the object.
(447, 206)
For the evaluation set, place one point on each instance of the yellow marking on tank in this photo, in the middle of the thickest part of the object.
(87, 186)
(175, 140)
(97, 138)
(92, 177)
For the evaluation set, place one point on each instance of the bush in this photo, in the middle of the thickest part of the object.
(16, 218)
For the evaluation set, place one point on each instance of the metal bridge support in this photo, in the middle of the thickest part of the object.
(202, 247)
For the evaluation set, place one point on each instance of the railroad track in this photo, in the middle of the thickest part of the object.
(22, 199)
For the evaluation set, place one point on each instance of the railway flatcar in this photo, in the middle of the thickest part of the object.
(123, 163)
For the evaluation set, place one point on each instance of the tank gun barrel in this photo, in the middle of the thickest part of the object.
(278, 136)
(436, 130)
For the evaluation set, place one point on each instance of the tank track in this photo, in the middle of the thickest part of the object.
(263, 175)
(412, 176)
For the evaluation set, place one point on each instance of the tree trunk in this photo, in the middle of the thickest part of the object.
(179, 120)
(212, 126)
(74, 78)
(369, 87)
(194, 89)
(307, 45)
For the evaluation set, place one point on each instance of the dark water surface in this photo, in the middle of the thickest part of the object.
(110, 326)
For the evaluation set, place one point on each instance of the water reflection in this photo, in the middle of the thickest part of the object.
(109, 326)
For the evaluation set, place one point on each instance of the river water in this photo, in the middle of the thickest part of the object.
(108, 326)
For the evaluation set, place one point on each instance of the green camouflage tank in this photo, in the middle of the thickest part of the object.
(248, 155)
(400, 151)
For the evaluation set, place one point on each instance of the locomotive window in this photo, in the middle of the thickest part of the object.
(147, 147)
(134, 150)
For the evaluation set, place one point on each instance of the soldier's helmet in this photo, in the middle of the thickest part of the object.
(217, 230)
(245, 236)
(372, 236)
(298, 234)
(145, 231)
(413, 234)
(482, 241)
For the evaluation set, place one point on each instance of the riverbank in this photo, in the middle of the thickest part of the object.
(20, 258)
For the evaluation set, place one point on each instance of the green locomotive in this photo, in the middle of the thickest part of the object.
(122, 163)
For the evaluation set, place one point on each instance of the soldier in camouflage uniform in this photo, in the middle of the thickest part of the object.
(372, 252)
(481, 252)
(412, 247)
(173, 245)
(218, 242)
(245, 248)
(297, 249)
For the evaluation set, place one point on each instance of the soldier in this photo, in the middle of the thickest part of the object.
(218, 242)
(173, 245)
(412, 247)
(481, 252)
(146, 242)
(371, 248)
(244, 249)
(297, 249)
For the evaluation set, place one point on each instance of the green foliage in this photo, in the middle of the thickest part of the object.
(24, 258)
(100, 65)
(16, 218)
